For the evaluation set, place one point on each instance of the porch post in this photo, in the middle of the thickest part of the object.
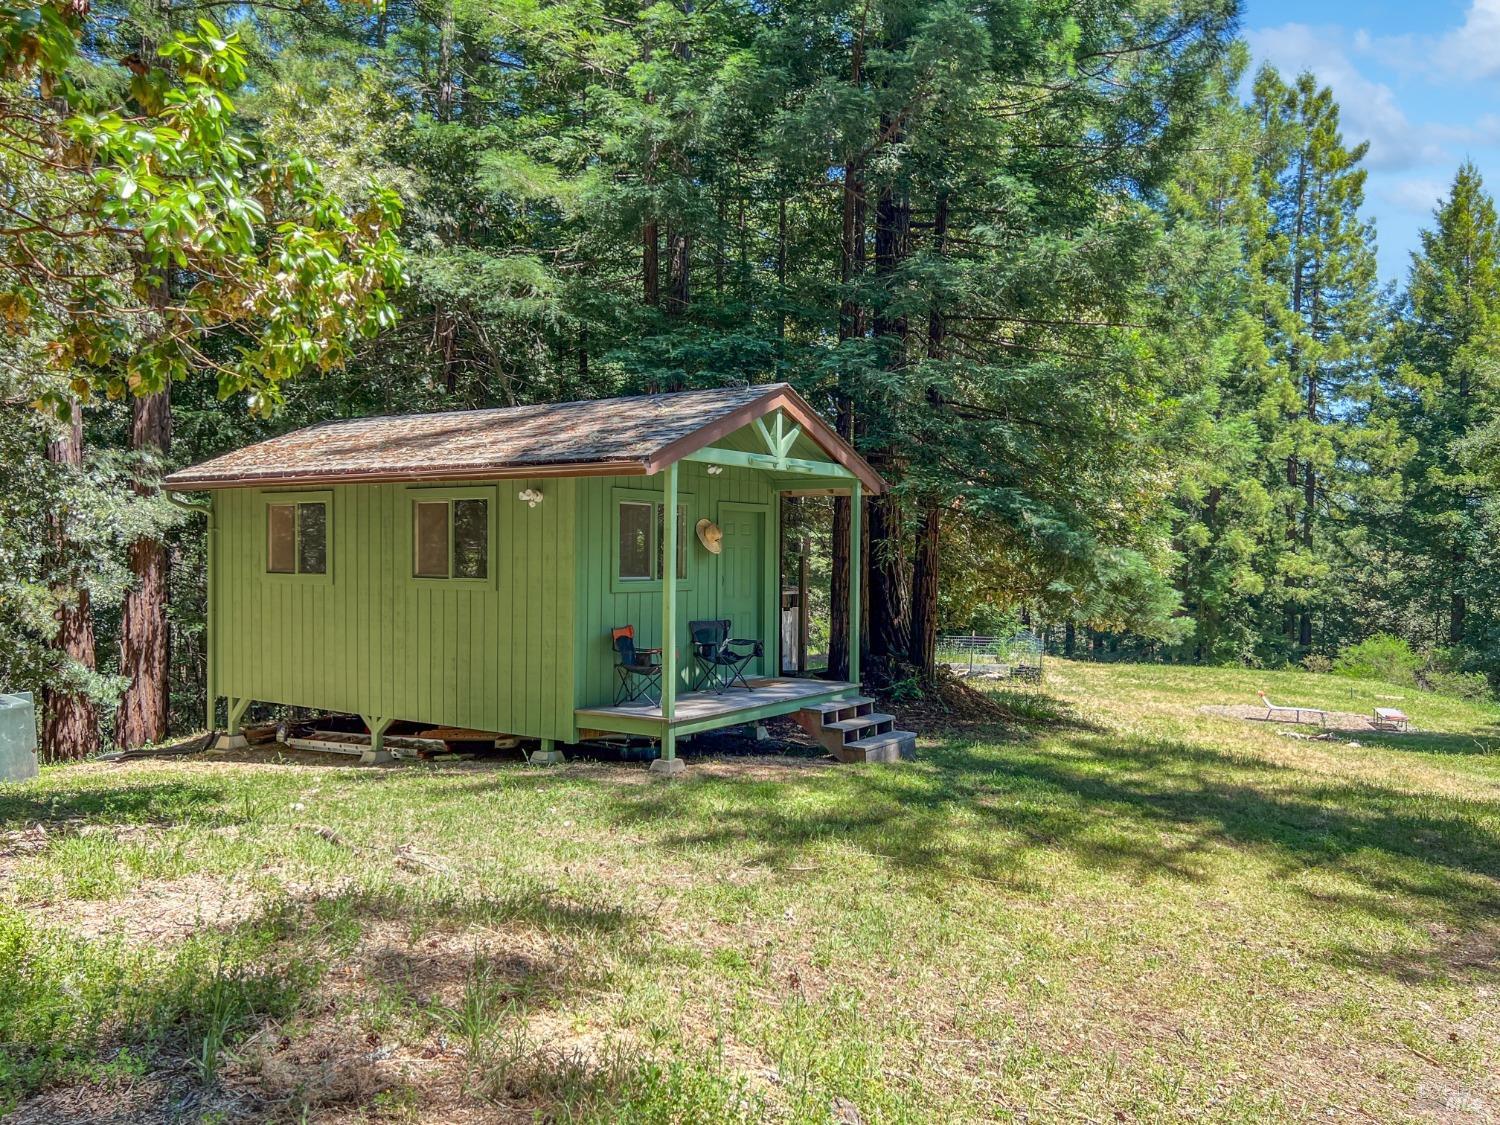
(668, 762)
(856, 578)
(211, 626)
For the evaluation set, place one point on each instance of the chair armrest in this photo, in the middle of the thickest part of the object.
(756, 646)
(648, 651)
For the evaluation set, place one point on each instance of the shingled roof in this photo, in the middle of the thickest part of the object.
(616, 436)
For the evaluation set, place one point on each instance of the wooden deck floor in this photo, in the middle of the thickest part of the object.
(706, 710)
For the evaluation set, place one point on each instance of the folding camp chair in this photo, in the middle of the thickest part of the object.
(722, 659)
(638, 670)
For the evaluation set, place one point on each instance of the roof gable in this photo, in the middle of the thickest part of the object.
(635, 435)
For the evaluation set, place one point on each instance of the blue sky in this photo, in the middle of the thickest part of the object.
(1419, 81)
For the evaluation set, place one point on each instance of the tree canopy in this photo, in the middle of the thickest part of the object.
(1110, 325)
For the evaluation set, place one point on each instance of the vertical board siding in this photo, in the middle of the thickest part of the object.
(599, 608)
(375, 642)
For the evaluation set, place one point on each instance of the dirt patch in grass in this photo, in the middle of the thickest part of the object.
(167, 1096)
(456, 1025)
(1350, 721)
(158, 911)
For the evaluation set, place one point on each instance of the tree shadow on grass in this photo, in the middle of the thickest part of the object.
(283, 1014)
(204, 798)
(1454, 953)
(1142, 808)
(190, 801)
(1479, 743)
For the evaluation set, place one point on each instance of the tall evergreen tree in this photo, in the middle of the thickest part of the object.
(1447, 388)
(1320, 331)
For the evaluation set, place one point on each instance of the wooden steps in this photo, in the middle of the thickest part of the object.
(853, 731)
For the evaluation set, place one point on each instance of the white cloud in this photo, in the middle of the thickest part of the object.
(1418, 196)
(1367, 109)
(1473, 50)
(1467, 53)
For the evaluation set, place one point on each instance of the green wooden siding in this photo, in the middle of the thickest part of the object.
(495, 656)
(603, 603)
(516, 654)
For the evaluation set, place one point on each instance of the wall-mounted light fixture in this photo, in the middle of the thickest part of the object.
(531, 497)
(715, 470)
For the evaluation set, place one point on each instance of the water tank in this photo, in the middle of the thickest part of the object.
(17, 737)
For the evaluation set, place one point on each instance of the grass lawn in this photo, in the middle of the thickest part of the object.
(1146, 912)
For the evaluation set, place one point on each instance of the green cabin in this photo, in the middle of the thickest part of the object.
(466, 569)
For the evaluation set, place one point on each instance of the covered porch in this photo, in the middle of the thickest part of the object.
(696, 711)
(800, 456)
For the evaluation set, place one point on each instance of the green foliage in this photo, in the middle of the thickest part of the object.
(1121, 335)
(1473, 686)
(1283, 458)
(1381, 657)
(1442, 394)
(155, 238)
(95, 508)
(148, 236)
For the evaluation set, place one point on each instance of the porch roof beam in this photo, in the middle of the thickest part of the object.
(733, 458)
(780, 443)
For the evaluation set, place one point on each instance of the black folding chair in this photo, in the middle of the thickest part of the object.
(637, 670)
(722, 659)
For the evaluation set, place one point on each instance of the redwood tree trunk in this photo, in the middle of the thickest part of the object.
(926, 560)
(679, 260)
(144, 646)
(838, 609)
(924, 592)
(70, 720)
(851, 326)
(1457, 604)
(890, 577)
(651, 263)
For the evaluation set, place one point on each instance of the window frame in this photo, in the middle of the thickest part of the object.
(268, 500)
(685, 501)
(434, 494)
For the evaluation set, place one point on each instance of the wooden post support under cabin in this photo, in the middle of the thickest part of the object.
(232, 739)
(856, 580)
(668, 762)
(377, 754)
(547, 754)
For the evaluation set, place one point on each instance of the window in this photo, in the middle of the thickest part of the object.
(471, 539)
(637, 522)
(451, 538)
(642, 540)
(661, 540)
(432, 541)
(297, 536)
